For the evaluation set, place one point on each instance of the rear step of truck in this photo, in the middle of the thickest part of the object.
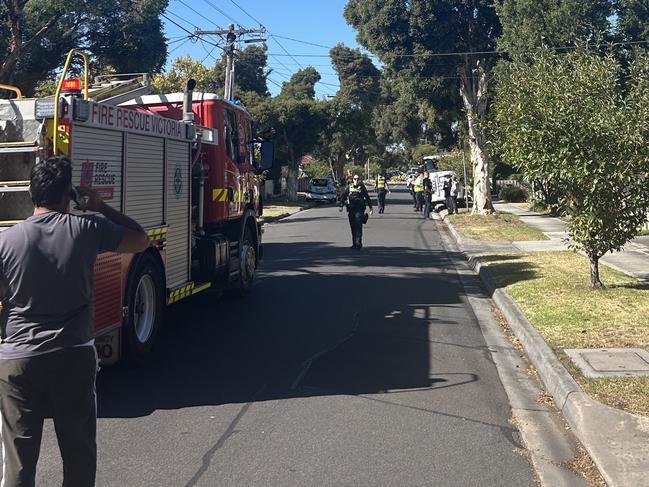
(19, 147)
(14, 186)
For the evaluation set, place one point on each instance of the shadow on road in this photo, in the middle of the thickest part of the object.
(318, 323)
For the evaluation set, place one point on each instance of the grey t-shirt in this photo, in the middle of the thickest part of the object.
(47, 267)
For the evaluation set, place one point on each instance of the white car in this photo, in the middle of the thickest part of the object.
(321, 190)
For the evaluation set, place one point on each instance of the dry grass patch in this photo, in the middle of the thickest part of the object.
(552, 290)
(499, 227)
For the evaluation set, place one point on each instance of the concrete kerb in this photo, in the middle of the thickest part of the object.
(287, 214)
(616, 440)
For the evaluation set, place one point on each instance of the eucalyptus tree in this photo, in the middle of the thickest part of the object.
(446, 49)
(121, 35)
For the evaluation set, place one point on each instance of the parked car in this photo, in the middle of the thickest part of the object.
(321, 190)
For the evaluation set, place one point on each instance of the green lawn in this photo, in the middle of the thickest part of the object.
(499, 227)
(552, 290)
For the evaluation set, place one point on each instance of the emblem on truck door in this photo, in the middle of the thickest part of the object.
(178, 182)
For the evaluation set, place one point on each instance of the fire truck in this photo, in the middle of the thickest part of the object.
(183, 165)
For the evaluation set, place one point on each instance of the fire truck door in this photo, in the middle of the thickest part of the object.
(231, 167)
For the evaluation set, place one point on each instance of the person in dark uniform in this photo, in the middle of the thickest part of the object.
(356, 198)
(428, 194)
(381, 187)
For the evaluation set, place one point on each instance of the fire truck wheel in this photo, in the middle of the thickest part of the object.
(247, 264)
(145, 295)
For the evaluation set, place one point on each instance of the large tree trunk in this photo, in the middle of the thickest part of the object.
(594, 271)
(473, 90)
(8, 65)
(15, 10)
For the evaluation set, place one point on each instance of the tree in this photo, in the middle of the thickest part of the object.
(350, 134)
(408, 36)
(301, 86)
(297, 119)
(183, 68)
(567, 119)
(633, 20)
(36, 35)
(529, 24)
(250, 75)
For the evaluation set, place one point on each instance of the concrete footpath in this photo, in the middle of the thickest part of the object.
(617, 441)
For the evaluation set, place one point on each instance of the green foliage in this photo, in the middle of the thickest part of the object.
(121, 35)
(184, 68)
(349, 133)
(566, 120)
(421, 150)
(513, 194)
(408, 37)
(632, 20)
(317, 169)
(301, 86)
(528, 24)
(250, 78)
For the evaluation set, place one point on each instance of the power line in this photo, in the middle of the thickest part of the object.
(245, 12)
(287, 53)
(274, 82)
(301, 42)
(198, 13)
(182, 19)
(232, 19)
(191, 34)
(468, 53)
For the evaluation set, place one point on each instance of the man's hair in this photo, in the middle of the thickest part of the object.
(49, 180)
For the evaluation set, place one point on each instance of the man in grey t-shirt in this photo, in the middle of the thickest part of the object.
(47, 358)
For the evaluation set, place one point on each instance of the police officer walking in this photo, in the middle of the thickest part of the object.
(356, 198)
(381, 187)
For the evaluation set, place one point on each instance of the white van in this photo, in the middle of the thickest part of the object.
(321, 190)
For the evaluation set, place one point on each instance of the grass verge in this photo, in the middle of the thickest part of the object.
(500, 227)
(552, 290)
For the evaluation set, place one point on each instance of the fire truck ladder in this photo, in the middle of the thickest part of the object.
(114, 89)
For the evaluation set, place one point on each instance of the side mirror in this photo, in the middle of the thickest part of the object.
(267, 155)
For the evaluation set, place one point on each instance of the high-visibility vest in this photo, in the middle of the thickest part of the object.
(354, 189)
(419, 184)
(380, 182)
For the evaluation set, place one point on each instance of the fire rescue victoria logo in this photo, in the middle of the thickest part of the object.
(178, 182)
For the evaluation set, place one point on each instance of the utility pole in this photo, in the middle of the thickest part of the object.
(231, 36)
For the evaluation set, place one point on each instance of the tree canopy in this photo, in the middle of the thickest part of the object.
(122, 35)
(566, 118)
(416, 41)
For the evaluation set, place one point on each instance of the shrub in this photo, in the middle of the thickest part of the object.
(513, 194)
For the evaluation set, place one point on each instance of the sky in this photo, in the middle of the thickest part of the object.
(305, 22)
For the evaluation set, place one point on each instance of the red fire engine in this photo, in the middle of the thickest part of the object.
(184, 165)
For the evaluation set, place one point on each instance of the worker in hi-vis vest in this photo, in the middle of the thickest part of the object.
(381, 187)
(418, 186)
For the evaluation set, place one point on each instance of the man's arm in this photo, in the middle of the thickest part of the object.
(134, 239)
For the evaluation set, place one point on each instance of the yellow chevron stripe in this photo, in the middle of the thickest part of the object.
(181, 292)
(216, 193)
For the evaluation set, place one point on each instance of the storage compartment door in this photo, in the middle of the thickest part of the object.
(97, 162)
(145, 179)
(178, 213)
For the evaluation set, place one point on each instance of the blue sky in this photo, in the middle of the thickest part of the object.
(311, 21)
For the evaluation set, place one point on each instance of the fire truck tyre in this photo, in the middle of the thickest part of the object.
(145, 304)
(247, 263)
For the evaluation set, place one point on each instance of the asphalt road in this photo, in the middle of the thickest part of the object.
(343, 368)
